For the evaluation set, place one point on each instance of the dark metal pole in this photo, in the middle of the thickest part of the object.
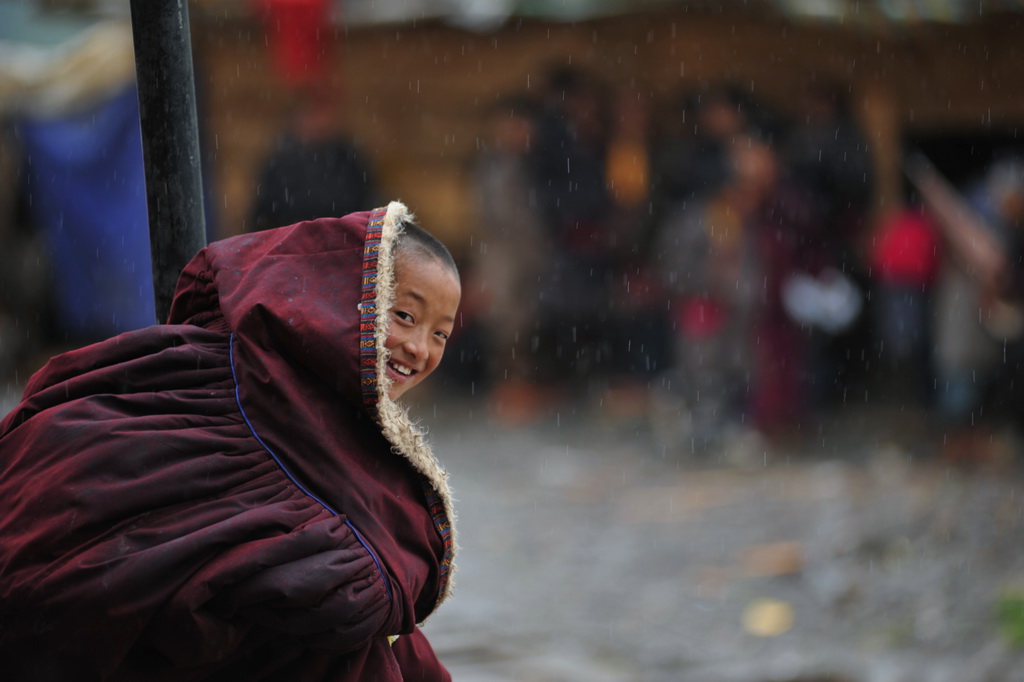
(170, 140)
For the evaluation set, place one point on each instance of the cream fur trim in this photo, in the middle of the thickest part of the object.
(406, 437)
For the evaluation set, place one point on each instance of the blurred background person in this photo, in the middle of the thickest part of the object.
(85, 189)
(711, 255)
(905, 259)
(315, 168)
(569, 173)
(511, 254)
(639, 342)
(979, 317)
(692, 158)
(74, 223)
(826, 157)
(313, 171)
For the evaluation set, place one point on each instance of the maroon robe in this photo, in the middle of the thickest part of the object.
(230, 495)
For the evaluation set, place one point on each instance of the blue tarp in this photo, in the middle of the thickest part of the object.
(85, 184)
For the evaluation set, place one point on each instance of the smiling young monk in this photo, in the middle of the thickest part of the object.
(423, 314)
(237, 494)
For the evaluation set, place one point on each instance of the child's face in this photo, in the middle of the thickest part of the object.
(426, 300)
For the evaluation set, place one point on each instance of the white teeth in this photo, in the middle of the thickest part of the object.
(401, 369)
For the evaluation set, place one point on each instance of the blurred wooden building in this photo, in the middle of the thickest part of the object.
(409, 80)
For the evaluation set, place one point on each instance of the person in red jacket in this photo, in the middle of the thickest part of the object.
(238, 493)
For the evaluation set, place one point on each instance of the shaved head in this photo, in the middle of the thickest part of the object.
(415, 242)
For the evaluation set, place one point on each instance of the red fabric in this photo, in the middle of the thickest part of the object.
(906, 250)
(417, 660)
(778, 399)
(701, 317)
(147, 531)
(299, 31)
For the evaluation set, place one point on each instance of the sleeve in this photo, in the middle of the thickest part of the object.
(417, 659)
(314, 589)
(148, 596)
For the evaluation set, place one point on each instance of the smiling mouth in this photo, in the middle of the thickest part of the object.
(402, 369)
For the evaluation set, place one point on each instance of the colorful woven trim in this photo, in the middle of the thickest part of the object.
(435, 505)
(368, 309)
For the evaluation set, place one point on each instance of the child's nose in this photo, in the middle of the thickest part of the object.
(415, 345)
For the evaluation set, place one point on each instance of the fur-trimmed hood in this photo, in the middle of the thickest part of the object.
(307, 303)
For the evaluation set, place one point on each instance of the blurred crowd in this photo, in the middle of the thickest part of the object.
(701, 262)
(721, 270)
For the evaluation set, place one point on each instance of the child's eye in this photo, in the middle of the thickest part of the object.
(402, 315)
(442, 335)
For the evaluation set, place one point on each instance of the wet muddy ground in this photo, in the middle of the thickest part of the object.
(590, 551)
